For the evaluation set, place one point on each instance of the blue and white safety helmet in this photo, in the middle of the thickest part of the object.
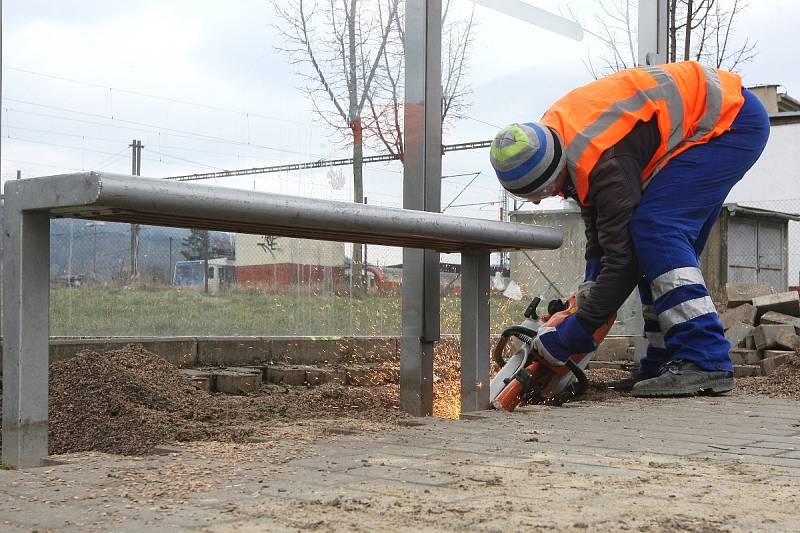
(527, 159)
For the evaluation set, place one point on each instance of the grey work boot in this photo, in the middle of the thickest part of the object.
(683, 378)
(626, 384)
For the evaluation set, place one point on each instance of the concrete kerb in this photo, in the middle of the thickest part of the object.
(232, 351)
(187, 352)
(180, 351)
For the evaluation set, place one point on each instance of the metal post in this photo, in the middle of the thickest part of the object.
(136, 170)
(94, 252)
(653, 29)
(171, 269)
(26, 326)
(421, 191)
(474, 331)
(365, 264)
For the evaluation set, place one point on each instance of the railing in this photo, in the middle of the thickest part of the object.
(29, 205)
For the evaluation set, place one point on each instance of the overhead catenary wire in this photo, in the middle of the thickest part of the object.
(194, 135)
(114, 157)
(321, 163)
(135, 125)
(155, 126)
(82, 149)
(40, 164)
(177, 132)
(457, 196)
(242, 113)
(475, 204)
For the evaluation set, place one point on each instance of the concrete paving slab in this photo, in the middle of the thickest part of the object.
(641, 465)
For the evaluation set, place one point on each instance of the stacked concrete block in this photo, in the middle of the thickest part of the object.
(788, 340)
(773, 359)
(741, 356)
(747, 371)
(738, 333)
(313, 376)
(772, 317)
(766, 336)
(616, 352)
(201, 379)
(294, 376)
(787, 303)
(743, 293)
(762, 327)
(236, 380)
(743, 314)
(613, 348)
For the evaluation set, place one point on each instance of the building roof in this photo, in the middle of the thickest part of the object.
(779, 119)
(788, 104)
(755, 212)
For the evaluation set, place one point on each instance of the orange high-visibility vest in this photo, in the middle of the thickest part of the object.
(692, 103)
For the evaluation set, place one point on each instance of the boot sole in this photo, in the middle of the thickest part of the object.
(712, 388)
(617, 388)
(620, 386)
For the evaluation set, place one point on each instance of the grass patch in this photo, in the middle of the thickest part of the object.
(4, 466)
(170, 312)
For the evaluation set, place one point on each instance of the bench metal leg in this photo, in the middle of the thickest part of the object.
(26, 306)
(474, 331)
(416, 376)
(420, 323)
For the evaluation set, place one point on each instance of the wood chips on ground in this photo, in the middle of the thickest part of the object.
(128, 401)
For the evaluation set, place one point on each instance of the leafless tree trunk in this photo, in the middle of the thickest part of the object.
(706, 28)
(338, 46)
(386, 103)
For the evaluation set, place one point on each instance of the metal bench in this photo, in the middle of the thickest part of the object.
(30, 204)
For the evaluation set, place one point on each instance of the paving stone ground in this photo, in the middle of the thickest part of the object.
(700, 464)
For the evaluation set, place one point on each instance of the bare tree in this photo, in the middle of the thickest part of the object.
(615, 28)
(716, 26)
(385, 103)
(704, 30)
(338, 46)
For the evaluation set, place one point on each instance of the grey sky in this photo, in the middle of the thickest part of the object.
(221, 55)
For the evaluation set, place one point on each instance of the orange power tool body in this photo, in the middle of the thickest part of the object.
(524, 378)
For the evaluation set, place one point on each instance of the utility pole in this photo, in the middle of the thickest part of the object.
(505, 216)
(136, 170)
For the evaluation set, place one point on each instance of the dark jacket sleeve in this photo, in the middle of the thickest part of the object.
(614, 194)
(593, 249)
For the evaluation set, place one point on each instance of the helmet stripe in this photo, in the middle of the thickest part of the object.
(546, 176)
(521, 143)
(527, 166)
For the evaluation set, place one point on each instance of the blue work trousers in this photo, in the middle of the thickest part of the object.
(669, 230)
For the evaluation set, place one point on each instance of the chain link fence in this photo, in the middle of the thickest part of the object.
(772, 246)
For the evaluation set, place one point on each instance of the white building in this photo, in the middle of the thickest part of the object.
(267, 260)
(774, 181)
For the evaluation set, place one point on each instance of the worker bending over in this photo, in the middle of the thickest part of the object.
(650, 155)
